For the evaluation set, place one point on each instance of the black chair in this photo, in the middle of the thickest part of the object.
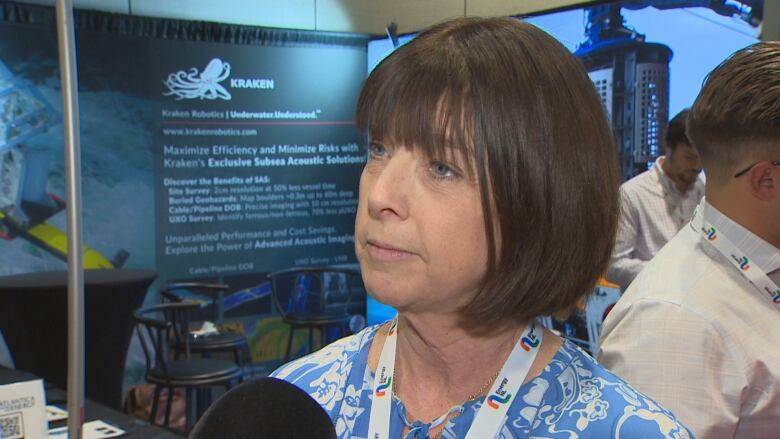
(205, 345)
(156, 326)
(215, 293)
(313, 298)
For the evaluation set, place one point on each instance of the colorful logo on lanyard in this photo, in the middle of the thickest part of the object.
(385, 382)
(529, 341)
(742, 261)
(711, 233)
(495, 401)
(500, 396)
(774, 294)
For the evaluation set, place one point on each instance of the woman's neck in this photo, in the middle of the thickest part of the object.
(439, 352)
(438, 364)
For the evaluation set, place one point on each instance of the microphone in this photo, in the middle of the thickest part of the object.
(267, 408)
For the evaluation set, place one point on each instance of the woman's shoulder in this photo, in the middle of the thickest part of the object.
(584, 397)
(327, 375)
(336, 358)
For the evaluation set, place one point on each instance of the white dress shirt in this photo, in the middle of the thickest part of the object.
(693, 333)
(652, 211)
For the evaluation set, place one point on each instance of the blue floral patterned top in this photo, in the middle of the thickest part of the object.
(574, 397)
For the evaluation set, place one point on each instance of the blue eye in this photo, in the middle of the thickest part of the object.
(376, 150)
(442, 171)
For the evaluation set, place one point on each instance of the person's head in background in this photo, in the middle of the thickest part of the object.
(497, 173)
(681, 161)
(735, 126)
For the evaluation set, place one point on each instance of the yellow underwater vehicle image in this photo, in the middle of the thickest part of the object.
(25, 204)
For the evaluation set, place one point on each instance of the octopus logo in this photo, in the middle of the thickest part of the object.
(776, 296)
(204, 85)
(495, 401)
(743, 263)
(711, 233)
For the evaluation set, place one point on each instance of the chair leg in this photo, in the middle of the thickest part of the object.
(289, 344)
(203, 396)
(198, 403)
(311, 339)
(167, 421)
(188, 408)
(155, 403)
(238, 354)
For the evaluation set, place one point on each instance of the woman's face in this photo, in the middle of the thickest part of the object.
(419, 231)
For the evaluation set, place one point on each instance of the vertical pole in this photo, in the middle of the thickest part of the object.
(70, 113)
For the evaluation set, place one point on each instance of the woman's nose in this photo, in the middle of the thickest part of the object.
(390, 187)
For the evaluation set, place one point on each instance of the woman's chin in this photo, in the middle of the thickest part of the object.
(385, 295)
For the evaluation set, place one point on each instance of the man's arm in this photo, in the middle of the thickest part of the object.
(623, 266)
(679, 359)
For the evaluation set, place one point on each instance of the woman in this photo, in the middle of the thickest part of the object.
(488, 199)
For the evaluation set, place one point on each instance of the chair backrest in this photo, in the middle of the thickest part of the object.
(314, 290)
(177, 291)
(157, 325)
(204, 293)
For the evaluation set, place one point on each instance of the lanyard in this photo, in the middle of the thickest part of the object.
(737, 257)
(490, 416)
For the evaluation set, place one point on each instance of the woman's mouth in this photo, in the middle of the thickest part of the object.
(385, 252)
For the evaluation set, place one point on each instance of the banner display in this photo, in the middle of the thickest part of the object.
(203, 160)
(199, 159)
(256, 157)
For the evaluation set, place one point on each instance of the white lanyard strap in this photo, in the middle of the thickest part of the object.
(490, 416)
(739, 259)
(379, 419)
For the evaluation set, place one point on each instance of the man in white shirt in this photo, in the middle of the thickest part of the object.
(698, 329)
(656, 204)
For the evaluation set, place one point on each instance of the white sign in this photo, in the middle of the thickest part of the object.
(23, 410)
(90, 430)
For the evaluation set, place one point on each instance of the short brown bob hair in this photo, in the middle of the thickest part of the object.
(521, 107)
(736, 117)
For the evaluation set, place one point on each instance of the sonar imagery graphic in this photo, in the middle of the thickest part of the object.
(116, 175)
(25, 205)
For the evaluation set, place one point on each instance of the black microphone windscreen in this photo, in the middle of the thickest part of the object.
(267, 408)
